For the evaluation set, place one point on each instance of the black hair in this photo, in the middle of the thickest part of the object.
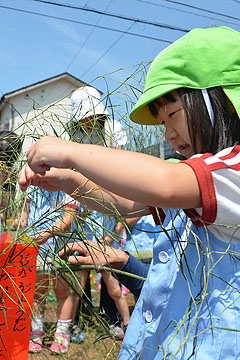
(155, 105)
(226, 130)
(10, 147)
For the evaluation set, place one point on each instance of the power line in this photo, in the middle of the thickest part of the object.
(85, 41)
(136, 20)
(201, 9)
(86, 24)
(187, 12)
(114, 43)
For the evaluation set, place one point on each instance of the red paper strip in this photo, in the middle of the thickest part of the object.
(17, 285)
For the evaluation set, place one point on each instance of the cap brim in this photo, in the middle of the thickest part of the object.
(140, 113)
(233, 93)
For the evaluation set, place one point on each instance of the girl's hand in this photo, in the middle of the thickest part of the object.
(49, 152)
(53, 180)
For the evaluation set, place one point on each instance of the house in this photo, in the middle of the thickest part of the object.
(39, 109)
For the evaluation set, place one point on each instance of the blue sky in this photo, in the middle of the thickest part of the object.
(34, 48)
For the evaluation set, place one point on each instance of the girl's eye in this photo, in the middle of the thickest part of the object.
(174, 112)
(171, 114)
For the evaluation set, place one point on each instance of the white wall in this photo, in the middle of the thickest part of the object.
(40, 111)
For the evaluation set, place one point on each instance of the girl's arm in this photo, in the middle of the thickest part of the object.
(138, 177)
(83, 190)
(136, 267)
(61, 226)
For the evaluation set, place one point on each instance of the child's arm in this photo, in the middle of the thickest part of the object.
(60, 227)
(22, 217)
(91, 253)
(81, 189)
(139, 177)
(66, 220)
(108, 238)
(120, 226)
(132, 221)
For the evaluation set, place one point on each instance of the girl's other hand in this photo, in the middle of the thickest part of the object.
(91, 253)
(53, 180)
(25, 177)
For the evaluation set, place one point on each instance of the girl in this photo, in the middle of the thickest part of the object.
(189, 305)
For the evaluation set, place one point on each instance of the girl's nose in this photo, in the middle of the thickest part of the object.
(170, 133)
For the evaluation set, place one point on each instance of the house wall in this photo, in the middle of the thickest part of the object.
(43, 110)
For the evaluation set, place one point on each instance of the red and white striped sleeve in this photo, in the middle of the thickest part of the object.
(219, 182)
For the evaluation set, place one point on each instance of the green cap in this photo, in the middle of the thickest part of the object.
(201, 59)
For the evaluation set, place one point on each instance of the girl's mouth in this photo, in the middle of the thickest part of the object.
(185, 150)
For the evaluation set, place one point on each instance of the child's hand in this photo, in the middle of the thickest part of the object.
(106, 240)
(49, 152)
(41, 237)
(23, 222)
(53, 180)
(91, 253)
